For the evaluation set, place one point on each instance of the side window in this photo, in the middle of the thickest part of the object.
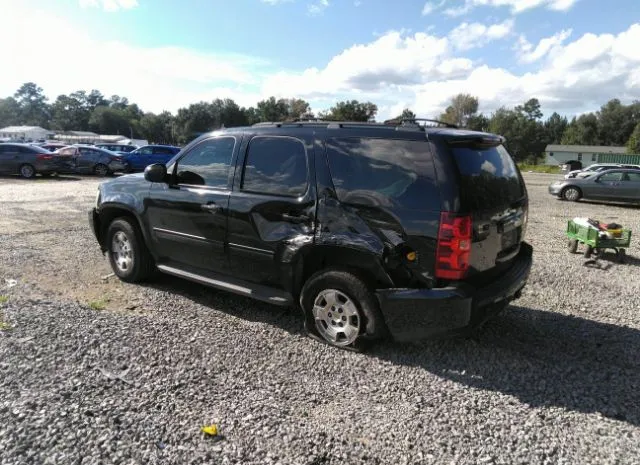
(579, 157)
(383, 172)
(275, 165)
(633, 177)
(207, 164)
(163, 151)
(611, 176)
(146, 151)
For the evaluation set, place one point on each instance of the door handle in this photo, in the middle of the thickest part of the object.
(295, 218)
(211, 207)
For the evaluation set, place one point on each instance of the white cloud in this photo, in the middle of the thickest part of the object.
(516, 6)
(317, 7)
(472, 35)
(424, 71)
(530, 54)
(432, 6)
(156, 78)
(109, 5)
(275, 2)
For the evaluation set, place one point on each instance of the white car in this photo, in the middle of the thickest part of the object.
(596, 168)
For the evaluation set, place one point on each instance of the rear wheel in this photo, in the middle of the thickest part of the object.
(101, 170)
(341, 310)
(572, 245)
(27, 171)
(622, 255)
(588, 251)
(572, 194)
(128, 255)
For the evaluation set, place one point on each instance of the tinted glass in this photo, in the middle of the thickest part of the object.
(611, 176)
(207, 163)
(275, 165)
(634, 177)
(383, 172)
(488, 177)
(145, 151)
(163, 151)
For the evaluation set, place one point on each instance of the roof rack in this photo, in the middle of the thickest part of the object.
(404, 121)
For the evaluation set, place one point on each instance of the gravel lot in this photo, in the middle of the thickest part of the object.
(93, 370)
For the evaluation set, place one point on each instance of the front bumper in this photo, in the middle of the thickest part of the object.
(555, 190)
(96, 229)
(413, 314)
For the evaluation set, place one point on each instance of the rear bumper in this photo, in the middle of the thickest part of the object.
(414, 314)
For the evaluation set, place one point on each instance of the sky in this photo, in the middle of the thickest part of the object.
(573, 55)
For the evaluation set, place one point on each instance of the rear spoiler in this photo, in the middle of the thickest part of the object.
(481, 141)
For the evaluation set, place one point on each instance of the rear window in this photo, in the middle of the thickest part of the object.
(383, 172)
(488, 177)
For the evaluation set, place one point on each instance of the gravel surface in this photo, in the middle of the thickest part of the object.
(93, 370)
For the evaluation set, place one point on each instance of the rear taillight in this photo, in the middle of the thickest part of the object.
(454, 246)
(44, 157)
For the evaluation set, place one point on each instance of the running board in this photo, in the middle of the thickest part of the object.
(225, 283)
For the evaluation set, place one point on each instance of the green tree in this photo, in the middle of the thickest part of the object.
(68, 112)
(462, 107)
(616, 122)
(633, 144)
(296, 108)
(478, 122)
(157, 129)
(9, 112)
(582, 131)
(530, 109)
(33, 105)
(109, 120)
(526, 137)
(273, 110)
(555, 127)
(352, 110)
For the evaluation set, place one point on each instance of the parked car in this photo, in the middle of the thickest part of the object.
(596, 168)
(26, 160)
(82, 159)
(147, 155)
(118, 148)
(618, 184)
(371, 229)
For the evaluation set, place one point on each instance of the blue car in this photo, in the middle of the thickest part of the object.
(147, 155)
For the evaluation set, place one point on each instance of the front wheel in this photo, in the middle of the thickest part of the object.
(572, 194)
(341, 310)
(129, 257)
(572, 245)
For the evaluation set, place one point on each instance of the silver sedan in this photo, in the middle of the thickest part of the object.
(616, 185)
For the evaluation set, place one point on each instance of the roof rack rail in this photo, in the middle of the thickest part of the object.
(403, 121)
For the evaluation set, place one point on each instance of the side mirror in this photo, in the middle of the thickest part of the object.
(156, 173)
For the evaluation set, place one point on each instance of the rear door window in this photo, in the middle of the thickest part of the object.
(383, 172)
(489, 177)
(611, 176)
(276, 166)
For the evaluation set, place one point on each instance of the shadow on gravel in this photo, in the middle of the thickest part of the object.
(238, 306)
(542, 358)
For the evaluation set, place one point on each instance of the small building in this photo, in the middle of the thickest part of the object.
(588, 154)
(25, 133)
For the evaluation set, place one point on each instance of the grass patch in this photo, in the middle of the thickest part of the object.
(100, 304)
(549, 169)
(4, 299)
(3, 324)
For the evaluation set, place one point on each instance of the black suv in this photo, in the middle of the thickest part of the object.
(373, 229)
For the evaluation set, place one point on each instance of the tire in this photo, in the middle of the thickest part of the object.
(101, 170)
(27, 171)
(572, 194)
(346, 312)
(588, 251)
(129, 257)
(622, 255)
(572, 245)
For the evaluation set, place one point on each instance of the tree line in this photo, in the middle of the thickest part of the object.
(526, 131)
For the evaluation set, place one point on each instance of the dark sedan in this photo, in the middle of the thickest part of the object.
(27, 160)
(83, 159)
(617, 185)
